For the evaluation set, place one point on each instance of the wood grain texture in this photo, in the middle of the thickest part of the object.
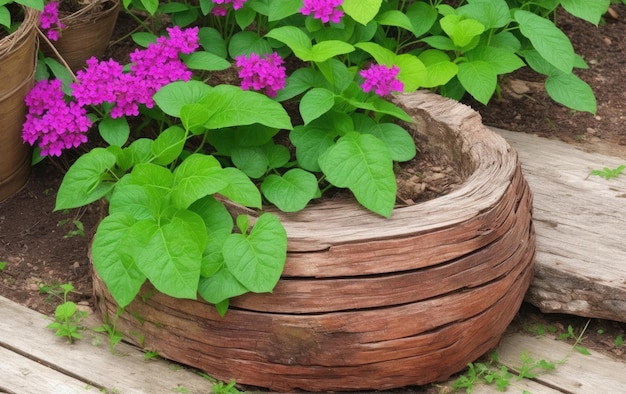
(367, 302)
(580, 222)
(35, 361)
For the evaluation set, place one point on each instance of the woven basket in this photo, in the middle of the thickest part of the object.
(87, 33)
(18, 54)
(365, 302)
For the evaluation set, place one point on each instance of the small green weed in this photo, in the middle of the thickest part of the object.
(221, 387)
(538, 329)
(78, 230)
(619, 341)
(3, 265)
(180, 389)
(67, 317)
(608, 173)
(115, 336)
(488, 373)
(150, 356)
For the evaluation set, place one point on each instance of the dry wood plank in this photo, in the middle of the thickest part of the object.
(580, 222)
(23, 330)
(19, 374)
(595, 373)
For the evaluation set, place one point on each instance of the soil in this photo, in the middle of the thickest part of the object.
(43, 249)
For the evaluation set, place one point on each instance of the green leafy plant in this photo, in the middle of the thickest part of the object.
(619, 341)
(608, 173)
(10, 8)
(3, 265)
(67, 317)
(115, 336)
(211, 151)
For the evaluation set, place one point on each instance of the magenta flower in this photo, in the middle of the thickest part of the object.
(237, 4)
(262, 73)
(324, 10)
(150, 69)
(381, 79)
(218, 10)
(51, 122)
(49, 20)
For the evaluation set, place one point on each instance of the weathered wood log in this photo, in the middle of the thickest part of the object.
(367, 302)
(580, 220)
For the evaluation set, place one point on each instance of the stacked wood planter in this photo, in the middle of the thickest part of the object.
(367, 302)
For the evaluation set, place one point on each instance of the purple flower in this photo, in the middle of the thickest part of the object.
(51, 122)
(262, 73)
(150, 69)
(324, 10)
(237, 4)
(49, 20)
(381, 79)
(218, 10)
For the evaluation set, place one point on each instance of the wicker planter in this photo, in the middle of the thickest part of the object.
(18, 53)
(87, 33)
(366, 302)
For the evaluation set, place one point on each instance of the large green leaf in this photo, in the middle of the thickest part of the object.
(571, 91)
(362, 11)
(422, 16)
(219, 225)
(241, 189)
(315, 103)
(114, 131)
(292, 191)
(168, 145)
(257, 259)
(381, 54)
(172, 97)
(412, 71)
(280, 9)
(229, 106)
(362, 163)
(198, 176)
(87, 180)
(251, 160)
(460, 29)
(479, 78)
(399, 142)
(591, 11)
(325, 50)
(172, 257)
(503, 61)
(247, 42)
(206, 61)
(113, 260)
(221, 286)
(439, 69)
(395, 18)
(311, 141)
(491, 13)
(550, 42)
(297, 40)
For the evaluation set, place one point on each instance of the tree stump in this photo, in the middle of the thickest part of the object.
(367, 302)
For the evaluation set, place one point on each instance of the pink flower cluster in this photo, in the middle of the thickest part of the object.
(150, 69)
(324, 10)
(53, 122)
(56, 124)
(49, 20)
(262, 73)
(221, 10)
(381, 79)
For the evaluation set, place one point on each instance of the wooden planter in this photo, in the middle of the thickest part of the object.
(87, 34)
(367, 302)
(18, 54)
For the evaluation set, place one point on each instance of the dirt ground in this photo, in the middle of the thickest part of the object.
(43, 249)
